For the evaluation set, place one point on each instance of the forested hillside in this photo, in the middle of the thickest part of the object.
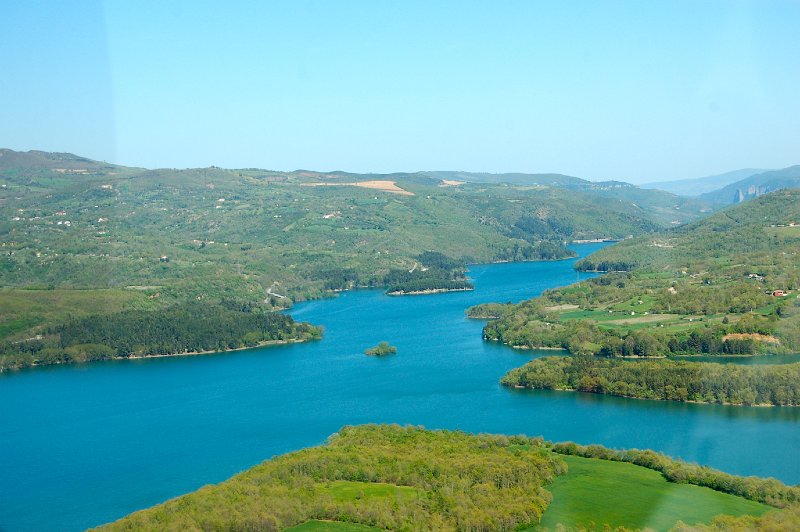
(666, 380)
(724, 285)
(148, 239)
(385, 476)
(186, 328)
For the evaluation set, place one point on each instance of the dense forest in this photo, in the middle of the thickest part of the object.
(662, 379)
(547, 250)
(389, 477)
(183, 328)
(432, 271)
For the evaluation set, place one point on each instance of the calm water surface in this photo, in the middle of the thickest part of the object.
(86, 444)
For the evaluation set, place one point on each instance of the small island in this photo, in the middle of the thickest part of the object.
(380, 350)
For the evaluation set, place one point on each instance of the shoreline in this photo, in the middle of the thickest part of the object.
(428, 291)
(575, 390)
(326, 294)
(265, 343)
(526, 347)
(595, 240)
(507, 261)
(677, 358)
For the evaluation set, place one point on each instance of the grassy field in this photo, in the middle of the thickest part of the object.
(344, 490)
(622, 319)
(620, 494)
(593, 491)
(24, 310)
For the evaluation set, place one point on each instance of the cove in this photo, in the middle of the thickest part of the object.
(86, 444)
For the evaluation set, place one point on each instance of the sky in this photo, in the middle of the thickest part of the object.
(629, 90)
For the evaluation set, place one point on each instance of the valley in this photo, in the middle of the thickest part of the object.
(269, 271)
(167, 426)
(400, 266)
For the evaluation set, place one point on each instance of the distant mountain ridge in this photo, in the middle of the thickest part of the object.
(754, 186)
(700, 185)
(44, 170)
(43, 159)
(666, 207)
(512, 178)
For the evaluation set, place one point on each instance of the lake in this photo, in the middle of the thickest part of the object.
(86, 444)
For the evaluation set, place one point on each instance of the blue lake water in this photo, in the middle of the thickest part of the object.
(86, 444)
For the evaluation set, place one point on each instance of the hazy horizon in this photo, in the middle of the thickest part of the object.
(425, 170)
(617, 91)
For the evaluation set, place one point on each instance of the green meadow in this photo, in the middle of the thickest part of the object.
(599, 492)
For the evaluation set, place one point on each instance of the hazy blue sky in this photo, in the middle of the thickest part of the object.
(633, 90)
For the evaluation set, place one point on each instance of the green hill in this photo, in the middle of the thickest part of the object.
(758, 236)
(514, 178)
(723, 285)
(395, 478)
(664, 207)
(60, 163)
(385, 476)
(626, 495)
(148, 239)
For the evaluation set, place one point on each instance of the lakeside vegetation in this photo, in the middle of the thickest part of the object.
(770, 522)
(161, 237)
(408, 478)
(662, 379)
(186, 328)
(725, 285)
(382, 349)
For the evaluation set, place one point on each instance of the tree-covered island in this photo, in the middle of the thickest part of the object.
(380, 350)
